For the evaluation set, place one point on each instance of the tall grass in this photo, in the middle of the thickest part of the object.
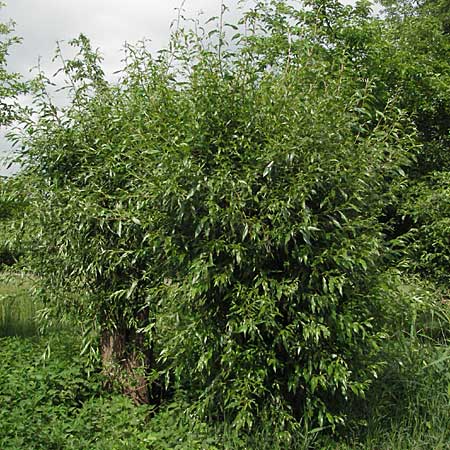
(17, 308)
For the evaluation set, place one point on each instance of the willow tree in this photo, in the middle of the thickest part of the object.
(214, 215)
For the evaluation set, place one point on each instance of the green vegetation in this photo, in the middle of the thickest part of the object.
(247, 235)
(12, 210)
(10, 83)
(53, 398)
(17, 310)
(54, 403)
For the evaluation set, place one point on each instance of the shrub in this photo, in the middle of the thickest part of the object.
(428, 205)
(214, 215)
(12, 211)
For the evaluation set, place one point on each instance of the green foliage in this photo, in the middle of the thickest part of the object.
(52, 403)
(53, 398)
(17, 310)
(13, 204)
(428, 204)
(223, 199)
(419, 69)
(281, 249)
(408, 406)
(40, 395)
(407, 52)
(219, 209)
(11, 86)
(410, 55)
(421, 73)
(10, 83)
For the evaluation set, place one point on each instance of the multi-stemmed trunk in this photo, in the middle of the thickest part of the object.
(126, 360)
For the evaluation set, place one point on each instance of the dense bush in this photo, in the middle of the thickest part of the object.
(12, 211)
(408, 51)
(428, 205)
(419, 74)
(214, 215)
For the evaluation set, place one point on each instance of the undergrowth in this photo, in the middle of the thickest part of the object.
(56, 399)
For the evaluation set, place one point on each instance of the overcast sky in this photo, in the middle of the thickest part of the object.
(108, 23)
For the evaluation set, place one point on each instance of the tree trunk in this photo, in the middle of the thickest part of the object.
(126, 360)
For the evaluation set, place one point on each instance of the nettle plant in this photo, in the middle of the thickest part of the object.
(213, 215)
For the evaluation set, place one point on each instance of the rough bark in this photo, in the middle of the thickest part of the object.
(126, 360)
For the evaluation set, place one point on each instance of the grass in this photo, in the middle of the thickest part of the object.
(17, 309)
(408, 408)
